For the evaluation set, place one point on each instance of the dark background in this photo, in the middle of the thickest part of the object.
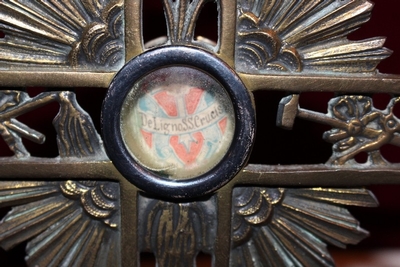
(302, 145)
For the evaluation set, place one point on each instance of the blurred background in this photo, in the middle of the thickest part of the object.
(302, 145)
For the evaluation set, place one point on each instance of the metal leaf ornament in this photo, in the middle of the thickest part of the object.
(177, 232)
(76, 137)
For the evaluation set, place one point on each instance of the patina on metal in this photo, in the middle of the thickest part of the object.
(79, 210)
(68, 223)
(357, 126)
(76, 135)
(191, 148)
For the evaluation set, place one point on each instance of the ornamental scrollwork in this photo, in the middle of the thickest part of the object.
(292, 227)
(78, 223)
(68, 223)
(72, 33)
(305, 36)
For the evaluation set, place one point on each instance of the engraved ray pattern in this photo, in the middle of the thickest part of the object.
(303, 35)
(67, 223)
(291, 227)
(181, 17)
(68, 33)
(177, 232)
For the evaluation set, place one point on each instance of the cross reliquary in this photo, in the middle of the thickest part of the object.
(129, 130)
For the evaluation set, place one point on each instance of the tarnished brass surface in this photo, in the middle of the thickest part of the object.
(343, 83)
(177, 232)
(267, 221)
(271, 82)
(309, 175)
(11, 78)
(292, 46)
(65, 34)
(270, 175)
(133, 29)
(53, 211)
(300, 36)
(58, 169)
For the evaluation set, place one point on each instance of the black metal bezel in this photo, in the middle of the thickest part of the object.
(155, 184)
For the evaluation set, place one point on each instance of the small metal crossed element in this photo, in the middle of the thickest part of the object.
(357, 126)
(72, 124)
(12, 130)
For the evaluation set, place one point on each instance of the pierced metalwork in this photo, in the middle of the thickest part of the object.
(78, 210)
(305, 36)
(181, 17)
(291, 227)
(73, 33)
(177, 232)
(76, 137)
(357, 126)
(71, 222)
(67, 223)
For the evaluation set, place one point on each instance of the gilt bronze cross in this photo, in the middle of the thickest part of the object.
(168, 173)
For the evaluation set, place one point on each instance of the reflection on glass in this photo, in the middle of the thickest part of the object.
(178, 122)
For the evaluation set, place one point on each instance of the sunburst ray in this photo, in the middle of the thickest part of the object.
(314, 31)
(299, 225)
(73, 33)
(68, 223)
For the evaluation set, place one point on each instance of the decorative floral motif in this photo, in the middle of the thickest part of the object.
(303, 35)
(181, 18)
(76, 33)
(291, 227)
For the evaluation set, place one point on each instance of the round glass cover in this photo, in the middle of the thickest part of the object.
(178, 122)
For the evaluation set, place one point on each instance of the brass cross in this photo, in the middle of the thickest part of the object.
(168, 173)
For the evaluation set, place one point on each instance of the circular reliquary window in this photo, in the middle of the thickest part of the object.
(178, 122)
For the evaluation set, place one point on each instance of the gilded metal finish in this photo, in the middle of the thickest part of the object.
(78, 210)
